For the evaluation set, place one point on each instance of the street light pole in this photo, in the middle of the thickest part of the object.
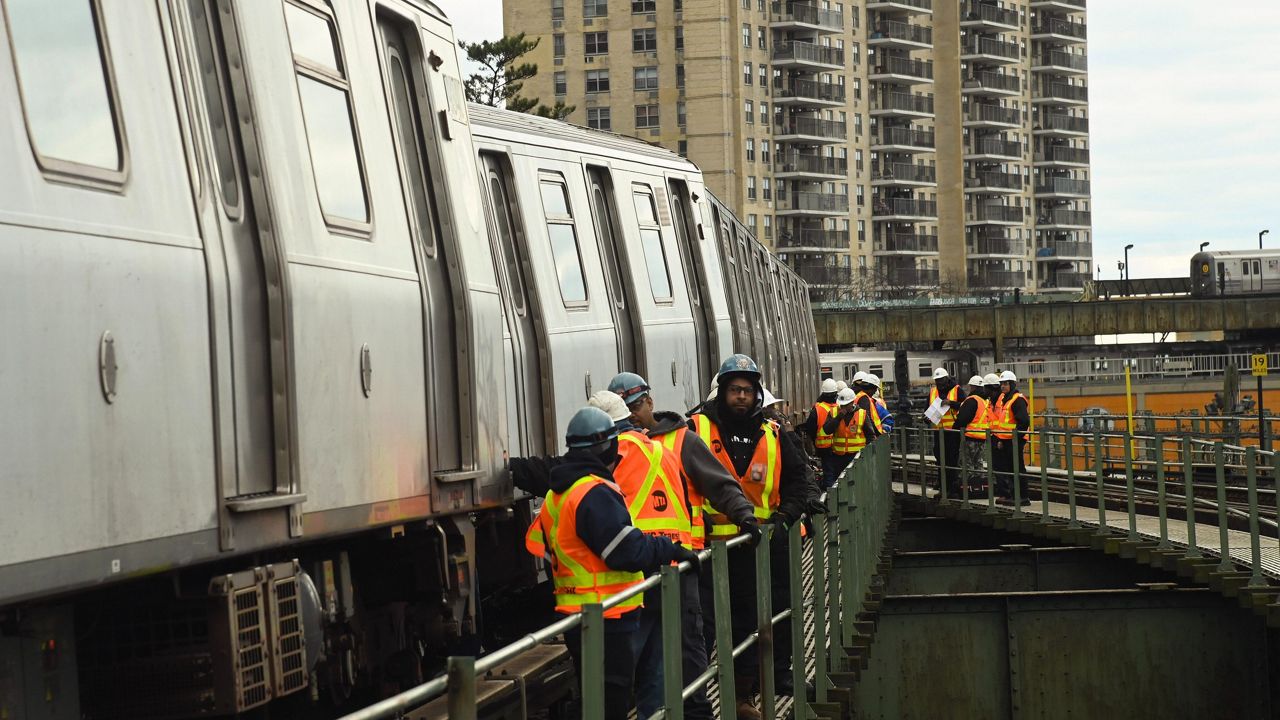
(1127, 248)
(1264, 232)
(1204, 245)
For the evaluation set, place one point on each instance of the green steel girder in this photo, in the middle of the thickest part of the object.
(1013, 570)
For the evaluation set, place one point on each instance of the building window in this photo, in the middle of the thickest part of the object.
(598, 118)
(746, 35)
(764, 113)
(746, 73)
(644, 40)
(66, 87)
(564, 242)
(862, 200)
(597, 81)
(749, 109)
(766, 189)
(680, 76)
(857, 160)
(679, 38)
(561, 80)
(557, 45)
(646, 78)
(643, 6)
(595, 8)
(857, 123)
(760, 38)
(327, 115)
(751, 187)
(682, 115)
(557, 9)
(751, 150)
(764, 75)
(682, 147)
(857, 88)
(862, 231)
(596, 43)
(768, 226)
(655, 256)
(753, 223)
(646, 116)
(764, 152)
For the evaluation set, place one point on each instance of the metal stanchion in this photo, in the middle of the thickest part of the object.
(592, 661)
(1162, 495)
(1098, 478)
(1189, 498)
(672, 653)
(723, 631)
(1256, 579)
(462, 687)
(1069, 458)
(1129, 491)
(1224, 537)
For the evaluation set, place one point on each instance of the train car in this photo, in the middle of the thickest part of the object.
(280, 304)
(1235, 272)
(884, 364)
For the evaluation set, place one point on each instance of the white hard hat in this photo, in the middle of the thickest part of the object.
(990, 379)
(829, 386)
(1008, 376)
(940, 373)
(976, 381)
(872, 379)
(769, 399)
(841, 385)
(859, 376)
(610, 402)
(845, 397)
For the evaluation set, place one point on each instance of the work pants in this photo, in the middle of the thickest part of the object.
(975, 459)
(949, 456)
(647, 643)
(619, 664)
(742, 601)
(832, 466)
(1004, 454)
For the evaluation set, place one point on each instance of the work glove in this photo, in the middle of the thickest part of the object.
(751, 528)
(782, 521)
(815, 506)
(531, 475)
(681, 554)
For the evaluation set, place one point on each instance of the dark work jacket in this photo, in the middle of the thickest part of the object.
(810, 425)
(701, 470)
(965, 415)
(740, 437)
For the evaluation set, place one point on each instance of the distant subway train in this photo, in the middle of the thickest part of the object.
(277, 305)
(1235, 272)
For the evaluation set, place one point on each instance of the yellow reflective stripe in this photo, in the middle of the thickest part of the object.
(771, 462)
(703, 425)
(578, 599)
(669, 440)
(554, 502)
(646, 487)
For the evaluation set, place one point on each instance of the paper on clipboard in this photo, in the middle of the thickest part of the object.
(934, 412)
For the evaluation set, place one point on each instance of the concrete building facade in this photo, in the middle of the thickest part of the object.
(881, 147)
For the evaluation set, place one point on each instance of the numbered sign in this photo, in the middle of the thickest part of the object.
(1259, 363)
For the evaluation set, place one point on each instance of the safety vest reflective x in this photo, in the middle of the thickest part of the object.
(823, 411)
(949, 417)
(875, 417)
(649, 478)
(580, 576)
(760, 484)
(673, 445)
(977, 428)
(850, 437)
(1002, 422)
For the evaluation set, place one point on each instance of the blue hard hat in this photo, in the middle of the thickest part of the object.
(630, 386)
(739, 364)
(589, 427)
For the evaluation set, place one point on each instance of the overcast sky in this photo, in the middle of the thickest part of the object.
(1184, 125)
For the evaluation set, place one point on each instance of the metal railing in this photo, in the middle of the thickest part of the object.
(1065, 249)
(1110, 486)
(994, 179)
(904, 206)
(808, 52)
(813, 164)
(907, 172)
(814, 239)
(919, 277)
(1058, 26)
(983, 112)
(905, 102)
(896, 30)
(1066, 280)
(822, 274)
(997, 246)
(1063, 216)
(993, 279)
(906, 136)
(983, 45)
(894, 65)
(846, 545)
(1079, 93)
(833, 129)
(922, 4)
(813, 201)
(996, 146)
(1064, 122)
(990, 13)
(1062, 185)
(1111, 368)
(906, 242)
(807, 14)
(1060, 153)
(1057, 58)
(999, 213)
(994, 81)
(811, 90)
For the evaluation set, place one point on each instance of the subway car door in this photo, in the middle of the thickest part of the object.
(613, 255)
(688, 235)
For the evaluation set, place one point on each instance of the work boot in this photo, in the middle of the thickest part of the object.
(747, 711)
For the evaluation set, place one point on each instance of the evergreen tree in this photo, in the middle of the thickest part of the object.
(501, 76)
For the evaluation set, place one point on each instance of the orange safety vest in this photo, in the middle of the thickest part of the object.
(875, 416)
(580, 576)
(1002, 422)
(949, 417)
(823, 441)
(849, 435)
(760, 484)
(673, 442)
(977, 428)
(649, 478)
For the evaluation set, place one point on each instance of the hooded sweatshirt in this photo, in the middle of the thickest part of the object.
(701, 470)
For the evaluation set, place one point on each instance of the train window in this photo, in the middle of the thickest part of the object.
(409, 127)
(327, 115)
(925, 370)
(564, 243)
(503, 210)
(59, 50)
(655, 259)
(877, 370)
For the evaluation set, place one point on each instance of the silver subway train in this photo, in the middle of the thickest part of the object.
(1235, 272)
(276, 306)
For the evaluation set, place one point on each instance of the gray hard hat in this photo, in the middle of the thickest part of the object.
(589, 427)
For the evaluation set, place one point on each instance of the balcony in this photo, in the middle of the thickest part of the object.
(1060, 93)
(901, 104)
(911, 277)
(901, 35)
(903, 139)
(807, 55)
(810, 130)
(903, 210)
(809, 93)
(984, 115)
(985, 82)
(1065, 250)
(1059, 5)
(996, 279)
(812, 203)
(903, 71)
(1058, 62)
(904, 243)
(1065, 280)
(1062, 156)
(905, 175)
(814, 239)
(989, 17)
(1061, 126)
(997, 215)
(1064, 219)
(1055, 30)
(1061, 187)
(907, 6)
(993, 183)
(980, 48)
(803, 166)
(803, 16)
(819, 273)
(996, 247)
(994, 148)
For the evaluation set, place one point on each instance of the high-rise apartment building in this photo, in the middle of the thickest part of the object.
(880, 146)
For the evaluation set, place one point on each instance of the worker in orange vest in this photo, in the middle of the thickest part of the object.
(1010, 420)
(705, 482)
(948, 393)
(972, 421)
(586, 534)
(814, 426)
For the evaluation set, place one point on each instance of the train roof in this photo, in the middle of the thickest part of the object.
(559, 133)
(1251, 253)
